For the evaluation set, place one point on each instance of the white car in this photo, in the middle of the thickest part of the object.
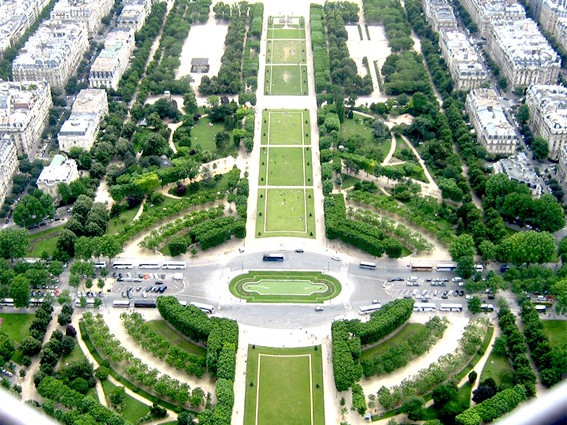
(336, 258)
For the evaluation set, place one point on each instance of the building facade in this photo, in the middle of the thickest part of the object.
(16, 16)
(548, 115)
(111, 63)
(485, 13)
(440, 14)
(492, 128)
(464, 64)
(52, 54)
(561, 32)
(24, 110)
(551, 12)
(80, 130)
(60, 170)
(523, 54)
(8, 165)
(562, 167)
(519, 168)
(134, 14)
(87, 12)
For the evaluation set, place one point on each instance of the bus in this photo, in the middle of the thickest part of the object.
(149, 265)
(367, 265)
(90, 302)
(446, 267)
(273, 257)
(36, 301)
(421, 267)
(451, 307)
(121, 303)
(540, 308)
(8, 302)
(122, 265)
(203, 307)
(424, 307)
(487, 307)
(174, 265)
(367, 309)
(100, 264)
(145, 303)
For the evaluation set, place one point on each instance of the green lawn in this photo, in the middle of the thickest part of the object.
(407, 331)
(556, 331)
(499, 369)
(284, 383)
(286, 80)
(175, 338)
(285, 127)
(203, 133)
(286, 33)
(285, 166)
(286, 213)
(285, 287)
(348, 181)
(286, 51)
(116, 225)
(357, 125)
(76, 356)
(16, 326)
(133, 409)
(44, 241)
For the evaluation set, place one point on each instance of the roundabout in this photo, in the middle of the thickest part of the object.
(285, 287)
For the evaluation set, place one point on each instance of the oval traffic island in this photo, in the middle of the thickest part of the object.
(285, 287)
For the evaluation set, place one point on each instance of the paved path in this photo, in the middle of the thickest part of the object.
(393, 145)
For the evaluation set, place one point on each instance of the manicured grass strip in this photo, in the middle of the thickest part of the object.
(556, 331)
(297, 33)
(132, 410)
(285, 166)
(175, 338)
(285, 127)
(116, 225)
(285, 287)
(16, 326)
(498, 368)
(284, 383)
(286, 80)
(286, 52)
(407, 331)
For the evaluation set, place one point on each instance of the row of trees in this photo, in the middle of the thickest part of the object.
(516, 350)
(229, 79)
(321, 61)
(156, 344)
(398, 356)
(549, 362)
(57, 346)
(392, 16)
(31, 345)
(251, 62)
(347, 337)
(493, 408)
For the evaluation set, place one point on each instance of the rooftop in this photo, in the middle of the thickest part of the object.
(552, 102)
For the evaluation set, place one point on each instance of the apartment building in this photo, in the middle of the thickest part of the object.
(487, 12)
(561, 32)
(88, 12)
(463, 61)
(15, 18)
(8, 165)
(60, 170)
(52, 54)
(520, 169)
(24, 110)
(548, 115)
(134, 14)
(440, 14)
(493, 131)
(112, 61)
(562, 167)
(523, 54)
(551, 12)
(80, 130)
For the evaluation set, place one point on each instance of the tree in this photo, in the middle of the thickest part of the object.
(462, 252)
(186, 417)
(29, 212)
(483, 392)
(66, 242)
(474, 305)
(154, 144)
(540, 148)
(528, 247)
(118, 396)
(177, 246)
(487, 250)
(221, 140)
(13, 243)
(413, 408)
(523, 114)
(20, 291)
(559, 289)
(472, 377)
(109, 246)
(444, 394)
(7, 348)
(55, 268)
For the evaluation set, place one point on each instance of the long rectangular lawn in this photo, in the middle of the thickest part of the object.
(287, 386)
(285, 128)
(286, 167)
(286, 80)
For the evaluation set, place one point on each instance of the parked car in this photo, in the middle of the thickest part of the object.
(299, 251)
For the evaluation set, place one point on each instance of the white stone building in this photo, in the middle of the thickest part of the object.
(88, 12)
(523, 54)
(551, 12)
(464, 64)
(439, 14)
(487, 12)
(52, 54)
(492, 128)
(562, 167)
(111, 63)
(8, 165)
(80, 130)
(561, 32)
(519, 168)
(24, 110)
(134, 14)
(60, 170)
(16, 16)
(548, 115)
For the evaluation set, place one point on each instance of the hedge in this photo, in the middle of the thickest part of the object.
(321, 61)
(493, 408)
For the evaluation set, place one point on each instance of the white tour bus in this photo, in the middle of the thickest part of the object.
(451, 307)
(174, 265)
(540, 308)
(487, 307)
(149, 265)
(122, 265)
(100, 264)
(367, 265)
(446, 267)
(424, 307)
(121, 303)
(209, 309)
(8, 302)
(367, 309)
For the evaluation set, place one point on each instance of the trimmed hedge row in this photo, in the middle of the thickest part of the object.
(321, 61)
(493, 408)
(251, 62)
(386, 320)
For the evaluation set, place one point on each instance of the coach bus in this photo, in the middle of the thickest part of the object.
(149, 265)
(487, 307)
(145, 303)
(203, 307)
(100, 264)
(446, 267)
(174, 265)
(90, 302)
(122, 265)
(540, 308)
(367, 265)
(367, 309)
(451, 307)
(421, 267)
(8, 302)
(424, 307)
(121, 303)
(273, 257)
